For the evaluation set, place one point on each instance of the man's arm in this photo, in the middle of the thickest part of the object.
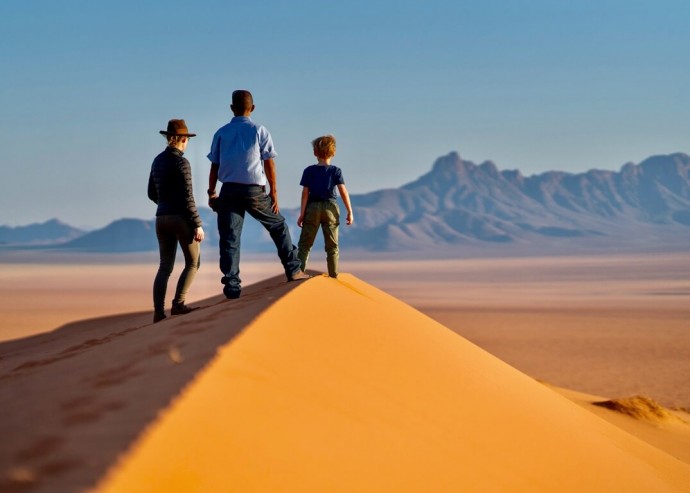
(212, 179)
(270, 170)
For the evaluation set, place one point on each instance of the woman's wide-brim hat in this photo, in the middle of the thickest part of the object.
(177, 127)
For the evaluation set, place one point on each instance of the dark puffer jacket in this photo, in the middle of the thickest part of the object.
(170, 186)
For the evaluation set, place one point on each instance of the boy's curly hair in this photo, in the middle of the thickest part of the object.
(324, 147)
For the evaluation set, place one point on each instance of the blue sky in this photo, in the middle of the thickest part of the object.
(533, 85)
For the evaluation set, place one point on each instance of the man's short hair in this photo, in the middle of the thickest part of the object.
(324, 147)
(242, 100)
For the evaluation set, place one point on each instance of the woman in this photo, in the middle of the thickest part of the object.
(177, 219)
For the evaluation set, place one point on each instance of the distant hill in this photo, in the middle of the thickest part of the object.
(123, 235)
(52, 231)
(462, 204)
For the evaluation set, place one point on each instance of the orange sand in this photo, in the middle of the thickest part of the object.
(340, 387)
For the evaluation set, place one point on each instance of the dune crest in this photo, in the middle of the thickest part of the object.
(338, 386)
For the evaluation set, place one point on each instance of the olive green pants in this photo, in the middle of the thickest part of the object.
(325, 215)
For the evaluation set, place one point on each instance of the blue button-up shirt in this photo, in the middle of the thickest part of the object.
(239, 149)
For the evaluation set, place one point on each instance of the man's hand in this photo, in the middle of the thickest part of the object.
(300, 220)
(213, 202)
(199, 234)
(270, 170)
(212, 180)
(274, 199)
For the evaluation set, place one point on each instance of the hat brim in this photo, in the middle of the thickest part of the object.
(163, 132)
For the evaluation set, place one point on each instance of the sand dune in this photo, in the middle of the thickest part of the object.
(328, 385)
(340, 387)
(74, 399)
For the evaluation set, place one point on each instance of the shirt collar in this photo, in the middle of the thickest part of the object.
(175, 150)
(240, 119)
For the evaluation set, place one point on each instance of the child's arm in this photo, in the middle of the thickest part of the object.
(346, 200)
(305, 196)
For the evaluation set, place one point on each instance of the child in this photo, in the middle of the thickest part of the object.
(319, 204)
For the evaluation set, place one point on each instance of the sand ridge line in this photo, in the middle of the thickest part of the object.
(352, 288)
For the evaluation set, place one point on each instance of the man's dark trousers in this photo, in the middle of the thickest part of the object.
(234, 201)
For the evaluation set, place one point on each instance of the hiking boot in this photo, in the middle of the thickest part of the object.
(182, 309)
(157, 317)
(300, 276)
(232, 294)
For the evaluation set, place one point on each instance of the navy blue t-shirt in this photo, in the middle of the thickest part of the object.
(321, 181)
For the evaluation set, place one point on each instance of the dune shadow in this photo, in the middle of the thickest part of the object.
(89, 388)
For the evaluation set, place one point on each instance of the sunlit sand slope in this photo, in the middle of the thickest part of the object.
(338, 386)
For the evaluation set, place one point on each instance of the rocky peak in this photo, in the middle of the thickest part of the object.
(490, 168)
(449, 165)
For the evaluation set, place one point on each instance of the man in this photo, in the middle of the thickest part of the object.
(242, 158)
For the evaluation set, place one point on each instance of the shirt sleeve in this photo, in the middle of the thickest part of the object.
(338, 177)
(266, 144)
(214, 155)
(304, 182)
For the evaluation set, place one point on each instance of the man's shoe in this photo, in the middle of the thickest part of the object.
(232, 294)
(300, 276)
(182, 309)
(157, 317)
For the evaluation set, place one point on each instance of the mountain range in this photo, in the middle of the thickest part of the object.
(459, 202)
(462, 204)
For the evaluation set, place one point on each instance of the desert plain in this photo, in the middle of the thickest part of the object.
(93, 395)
